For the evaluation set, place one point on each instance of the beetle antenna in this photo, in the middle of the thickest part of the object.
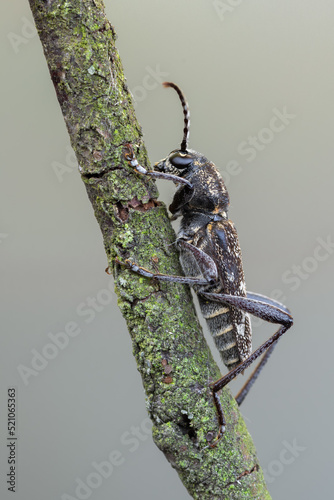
(186, 114)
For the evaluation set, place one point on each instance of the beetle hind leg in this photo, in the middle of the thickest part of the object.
(266, 309)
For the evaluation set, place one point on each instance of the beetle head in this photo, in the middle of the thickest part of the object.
(177, 162)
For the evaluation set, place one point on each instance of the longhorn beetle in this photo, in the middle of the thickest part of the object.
(211, 259)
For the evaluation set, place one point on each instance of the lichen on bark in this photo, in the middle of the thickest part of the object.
(171, 353)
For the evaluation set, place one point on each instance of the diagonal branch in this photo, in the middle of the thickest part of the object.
(172, 356)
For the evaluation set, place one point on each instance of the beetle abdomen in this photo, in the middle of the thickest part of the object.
(222, 328)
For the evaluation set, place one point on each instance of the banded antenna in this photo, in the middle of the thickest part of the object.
(186, 114)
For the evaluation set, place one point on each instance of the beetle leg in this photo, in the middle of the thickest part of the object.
(264, 298)
(261, 308)
(160, 277)
(130, 157)
(205, 263)
(252, 378)
(219, 384)
(240, 396)
(266, 309)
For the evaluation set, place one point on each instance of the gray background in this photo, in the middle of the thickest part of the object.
(237, 62)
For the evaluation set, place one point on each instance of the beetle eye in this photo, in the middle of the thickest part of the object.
(180, 160)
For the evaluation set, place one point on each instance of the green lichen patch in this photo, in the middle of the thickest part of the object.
(172, 356)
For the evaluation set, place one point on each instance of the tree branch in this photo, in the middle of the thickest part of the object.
(172, 356)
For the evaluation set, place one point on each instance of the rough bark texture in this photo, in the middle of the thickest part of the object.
(172, 356)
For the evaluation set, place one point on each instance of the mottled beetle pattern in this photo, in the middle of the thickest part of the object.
(211, 260)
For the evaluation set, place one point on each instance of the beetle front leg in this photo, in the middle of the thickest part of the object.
(130, 157)
(206, 264)
(142, 271)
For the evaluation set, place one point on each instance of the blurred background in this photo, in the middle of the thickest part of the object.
(259, 80)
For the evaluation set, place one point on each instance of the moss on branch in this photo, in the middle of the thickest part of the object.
(172, 356)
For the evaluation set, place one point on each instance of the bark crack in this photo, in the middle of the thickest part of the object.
(122, 209)
(244, 473)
